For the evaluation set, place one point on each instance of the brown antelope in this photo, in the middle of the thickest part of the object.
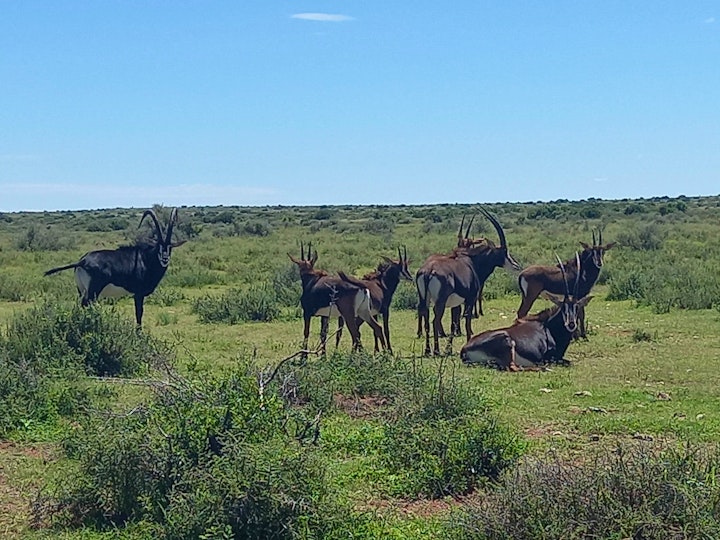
(455, 312)
(327, 296)
(537, 278)
(532, 341)
(382, 284)
(457, 279)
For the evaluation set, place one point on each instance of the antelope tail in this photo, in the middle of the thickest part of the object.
(60, 269)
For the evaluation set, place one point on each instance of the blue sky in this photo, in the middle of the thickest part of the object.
(130, 103)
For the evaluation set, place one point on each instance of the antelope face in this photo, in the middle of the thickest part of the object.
(164, 251)
(571, 309)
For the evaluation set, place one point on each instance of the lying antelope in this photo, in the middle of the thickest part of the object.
(382, 284)
(327, 296)
(537, 279)
(457, 280)
(532, 341)
(135, 270)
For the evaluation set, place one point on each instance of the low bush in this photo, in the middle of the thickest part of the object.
(258, 303)
(51, 336)
(37, 238)
(438, 437)
(405, 297)
(683, 284)
(442, 439)
(632, 492)
(206, 457)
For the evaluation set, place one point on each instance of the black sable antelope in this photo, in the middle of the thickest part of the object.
(457, 280)
(134, 270)
(381, 284)
(327, 296)
(537, 278)
(532, 341)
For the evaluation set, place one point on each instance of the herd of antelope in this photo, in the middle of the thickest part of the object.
(454, 280)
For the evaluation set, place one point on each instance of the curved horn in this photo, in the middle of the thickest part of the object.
(152, 215)
(171, 224)
(564, 275)
(600, 229)
(577, 278)
(405, 253)
(462, 223)
(302, 251)
(497, 226)
(594, 243)
(467, 231)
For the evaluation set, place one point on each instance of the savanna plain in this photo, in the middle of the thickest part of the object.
(207, 423)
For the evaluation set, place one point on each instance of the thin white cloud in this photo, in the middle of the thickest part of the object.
(710, 20)
(322, 17)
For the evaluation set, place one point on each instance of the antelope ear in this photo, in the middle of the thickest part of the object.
(387, 259)
(293, 259)
(583, 244)
(178, 243)
(555, 300)
(584, 301)
(608, 246)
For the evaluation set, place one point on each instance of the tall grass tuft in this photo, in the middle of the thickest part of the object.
(631, 492)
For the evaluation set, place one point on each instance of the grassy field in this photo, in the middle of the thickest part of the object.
(647, 373)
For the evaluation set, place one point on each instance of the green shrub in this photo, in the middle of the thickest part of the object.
(191, 277)
(54, 336)
(13, 289)
(202, 457)
(37, 238)
(683, 284)
(258, 303)
(628, 493)
(405, 297)
(166, 296)
(252, 228)
(444, 441)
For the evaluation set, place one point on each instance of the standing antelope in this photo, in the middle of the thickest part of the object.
(135, 270)
(457, 279)
(533, 340)
(327, 296)
(455, 312)
(536, 279)
(382, 284)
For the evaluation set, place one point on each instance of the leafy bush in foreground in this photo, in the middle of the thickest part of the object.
(443, 440)
(204, 458)
(47, 351)
(630, 493)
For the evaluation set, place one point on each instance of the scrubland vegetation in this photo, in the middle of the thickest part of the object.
(207, 425)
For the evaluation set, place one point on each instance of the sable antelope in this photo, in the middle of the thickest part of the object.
(455, 312)
(327, 296)
(533, 340)
(382, 284)
(135, 270)
(457, 279)
(536, 279)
